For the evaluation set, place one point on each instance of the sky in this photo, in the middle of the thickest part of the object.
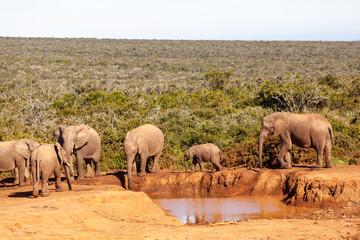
(324, 20)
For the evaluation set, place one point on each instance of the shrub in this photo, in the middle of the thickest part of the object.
(293, 96)
(217, 80)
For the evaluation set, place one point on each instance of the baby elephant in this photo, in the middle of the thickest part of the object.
(46, 160)
(203, 153)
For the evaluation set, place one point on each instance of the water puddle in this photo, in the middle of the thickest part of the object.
(209, 209)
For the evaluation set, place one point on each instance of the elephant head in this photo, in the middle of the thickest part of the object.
(61, 153)
(188, 155)
(273, 124)
(71, 139)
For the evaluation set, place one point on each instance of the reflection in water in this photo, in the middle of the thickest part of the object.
(199, 209)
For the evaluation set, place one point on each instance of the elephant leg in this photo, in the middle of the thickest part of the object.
(97, 167)
(319, 150)
(328, 163)
(284, 149)
(89, 172)
(193, 164)
(45, 185)
(288, 160)
(80, 162)
(156, 167)
(134, 167)
(16, 173)
(201, 164)
(216, 161)
(143, 158)
(58, 187)
(21, 170)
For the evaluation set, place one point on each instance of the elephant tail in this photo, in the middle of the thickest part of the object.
(331, 135)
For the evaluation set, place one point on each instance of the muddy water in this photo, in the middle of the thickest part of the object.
(201, 209)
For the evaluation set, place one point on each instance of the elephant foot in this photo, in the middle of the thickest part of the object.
(60, 189)
(328, 165)
(97, 174)
(22, 184)
(288, 167)
(318, 165)
(89, 176)
(35, 194)
(45, 194)
(81, 177)
(141, 174)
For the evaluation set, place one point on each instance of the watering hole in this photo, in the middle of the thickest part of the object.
(224, 209)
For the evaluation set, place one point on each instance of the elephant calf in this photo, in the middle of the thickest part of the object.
(203, 153)
(46, 160)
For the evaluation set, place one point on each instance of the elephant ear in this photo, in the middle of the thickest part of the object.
(57, 133)
(281, 123)
(22, 148)
(83, 136)
(61, 153)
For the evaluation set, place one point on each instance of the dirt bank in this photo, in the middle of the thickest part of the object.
(300, 186)
(100, 208)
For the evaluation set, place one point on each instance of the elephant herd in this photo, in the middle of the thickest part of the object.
(303, 130)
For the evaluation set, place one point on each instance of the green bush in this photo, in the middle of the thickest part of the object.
(217, 79)
(292, 96)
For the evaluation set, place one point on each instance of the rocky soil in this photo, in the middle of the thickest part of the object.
(100, 208)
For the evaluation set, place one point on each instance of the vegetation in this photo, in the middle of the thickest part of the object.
(195, 91)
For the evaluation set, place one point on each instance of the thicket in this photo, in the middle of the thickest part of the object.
(195, 91)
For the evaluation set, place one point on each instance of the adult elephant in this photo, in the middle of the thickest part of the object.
(207, 152)
(85, 143)
(16, 154)
(304, 130)
(146, 141)
(46, 160)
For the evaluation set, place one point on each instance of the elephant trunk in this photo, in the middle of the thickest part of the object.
(69, 160)
(261, 143)
(67, 173)
(129, 173)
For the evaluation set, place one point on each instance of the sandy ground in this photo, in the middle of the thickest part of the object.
(111, 212)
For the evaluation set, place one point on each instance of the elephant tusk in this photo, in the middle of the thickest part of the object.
(67, 164)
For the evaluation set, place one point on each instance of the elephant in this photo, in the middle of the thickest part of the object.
(46, 160)
(304, 130)
(16, 154)
(146, 141)
(207, 152)
(85, 143)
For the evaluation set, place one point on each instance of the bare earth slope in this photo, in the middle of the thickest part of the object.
(109, 211)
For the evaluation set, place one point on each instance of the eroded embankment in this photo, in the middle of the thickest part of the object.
(299, 186)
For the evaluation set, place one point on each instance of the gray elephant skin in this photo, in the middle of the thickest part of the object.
(16, 154)
(207, 152)
(304, 130)
(145, 141)
(46, 160)
(85, 143)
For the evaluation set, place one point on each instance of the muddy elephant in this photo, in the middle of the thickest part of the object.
(85, 143)
(16, 154)
(304, 130)
(207, 152)
(46, 160)
(145, 141)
